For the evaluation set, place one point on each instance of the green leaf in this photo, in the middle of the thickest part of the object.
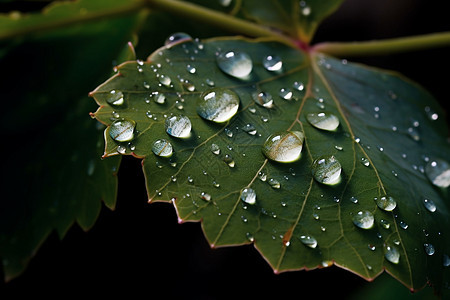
(390, 131)
(55, 176)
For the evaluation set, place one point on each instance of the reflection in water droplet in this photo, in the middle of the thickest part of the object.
(218, 105)
(235, 63)
(429, 249)
(363, 219)
(309, 241)
(284, 146)
(263, 98)
(386, 203)
(248, 195)
(178, 126)
(115, 98)
(122, 130)
(176, 38)
(162, 148)
(327, 170)
(323, 120)
(429, 204)
(438, 172)
(272, 63)
(391, 254)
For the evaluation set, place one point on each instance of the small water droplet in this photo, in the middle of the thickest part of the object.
(165, 80)
(371, 247)
(403, 225)
(429, 204)
(122, 130)
(446, 260)
(308, 241)
(363, 219)
(385, 224)
(159, 98)
(249, 236)
(429, 249)
(391, 254)
(115, 98)
(235, 63)
(438, 172)
(386, 203)
(284, 146)
(275, 184)
(263, 99)
(286, 94)
(323, 121)
(178, 126)
(121, 149)
(262, 176)
(327, 170)
(210, 82)
(218, 105)
(248, 195)
(177, 38)
(162, 148)
(205, 196)
(365, 161)
(272, 63)
(298, 86)
(228, 159)
(414, 133)
(250, 129)
(433, 116)
(353, 199)
(339, 148)
(215, 149)
(191, 69)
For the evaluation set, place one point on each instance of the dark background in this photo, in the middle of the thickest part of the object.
(140, 249)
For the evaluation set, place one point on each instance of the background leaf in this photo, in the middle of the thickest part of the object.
(205, 186)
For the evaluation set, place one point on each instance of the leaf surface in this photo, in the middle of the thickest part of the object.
(390, 132)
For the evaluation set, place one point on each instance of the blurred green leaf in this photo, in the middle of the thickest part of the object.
(389, 133)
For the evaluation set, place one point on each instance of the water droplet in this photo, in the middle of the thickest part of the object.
(121, 149)
(235, 63)
(286, 94)
(391, 254)
(205, 196)
(354, 199)
(403, 225)
(250, 129)
(365, 161)
(177, 38)
(284, 146)
(215, 149)
(122, 130)
(433, 116)
(446, 260)
(309, 241)
(429, 249)
(228, 159)
(385, 224)
(162, 148)
(249, 236)
(371, 247)
(191, 69)
(386, 203)
(429, 204)
(263, 98)
(115, 98)
(159, 98)
(272, 63)
(165, 80)
(262, 176)
(218, 105)
(248, 195)
(438, 172)
(363, 219)
(339, 148)
(414, 133)
(275, 184)
(209, 82)
(327, 170)
(298, 86)
(323, 120)
(178, 126)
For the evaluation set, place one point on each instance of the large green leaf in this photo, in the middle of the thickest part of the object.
(53, 174)
(390, 135)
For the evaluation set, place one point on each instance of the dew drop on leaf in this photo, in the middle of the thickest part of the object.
(308, 241)
(391, 254)
(284, 146)
(215, 149)
(248, 195)
(327, 170)
(228, 159)
(429, 204)
(178, 126)
(323, 121)
(365, 161)
(275, 184)
(235, 63)
(250, 129)
(286, 94)
(386, 203)
(438, 172)
(363, 219)
(298, 86)
(429, 249)
(177, 38)
(122, 130)
(272, 63)
(218, 105)
(263, 99)
(162, 148)
(115, 98)
(165, 80)
(446, 260)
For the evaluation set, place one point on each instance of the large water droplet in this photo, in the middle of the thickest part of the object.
(162, 148)
(115, 98)
(248, 195)
(323, 120)
(429, 204)
(363, 219)
(263, 98)
(327, 170)
(429, 249)
(235, 63)
(218, 105)
(386, 203)
(391, 254)
(272, 63)
(177, 38)
(122, 130)
(284, 146)
(309, 241)
(438, 172)
(178, 126)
